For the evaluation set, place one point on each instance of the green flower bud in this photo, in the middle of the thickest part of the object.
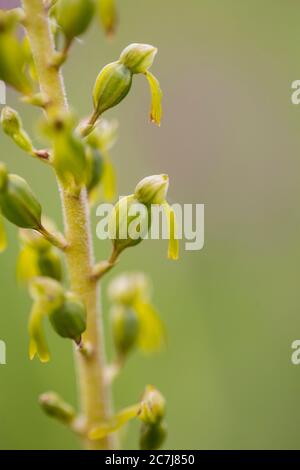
(108, 15)
(13, 127)
(47, 291)
(127, 215)
(50, 264)
(127, 288)
(74, 16)
(112, 86)
(152, 189)
(18, 203)
(9, 19)
(69, 158)
(54, 406)
(12, 56)
(95, 167)
(125, 327)
(35, 261)
(138, 58)
(153, 406)
(152, 436)
(69, 319)
(104, 136)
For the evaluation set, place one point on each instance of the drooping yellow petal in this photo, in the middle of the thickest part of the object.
(109, 179)
(27, 264)
(3, 241)
(173, 250)
(108, 427)
(152, 335)
(37, 344)
(108, 15)
(156, 96)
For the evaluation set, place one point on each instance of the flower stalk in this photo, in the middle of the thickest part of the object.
(94, 390)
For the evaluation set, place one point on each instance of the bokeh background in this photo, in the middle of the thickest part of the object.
(230, 139)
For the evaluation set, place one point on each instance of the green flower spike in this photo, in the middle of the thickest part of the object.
(108, 15)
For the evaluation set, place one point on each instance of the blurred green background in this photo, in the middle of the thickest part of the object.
(230, 139)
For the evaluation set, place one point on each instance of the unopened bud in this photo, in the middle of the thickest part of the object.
(152, 437)
(95, 168)
(129, 223)
(68, 157)
(74, 16)
(12, 60)
(112, 86)
(125, 326)
(48, 291)
(153, 406)
(152, 189)
(17, 201)
(138, 57)
(104, 136)
(108, 15)
(69, 319)
(54, 406)
(12, 126)
(127, 288)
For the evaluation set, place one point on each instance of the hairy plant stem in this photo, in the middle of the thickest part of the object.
(94, 390)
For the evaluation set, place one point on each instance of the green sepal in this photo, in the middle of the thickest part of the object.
(138, 57)
(120, 220)
(111, 87)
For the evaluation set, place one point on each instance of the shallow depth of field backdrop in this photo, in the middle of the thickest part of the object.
(230, 139)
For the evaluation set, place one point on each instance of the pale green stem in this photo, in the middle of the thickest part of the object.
(94, 391)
